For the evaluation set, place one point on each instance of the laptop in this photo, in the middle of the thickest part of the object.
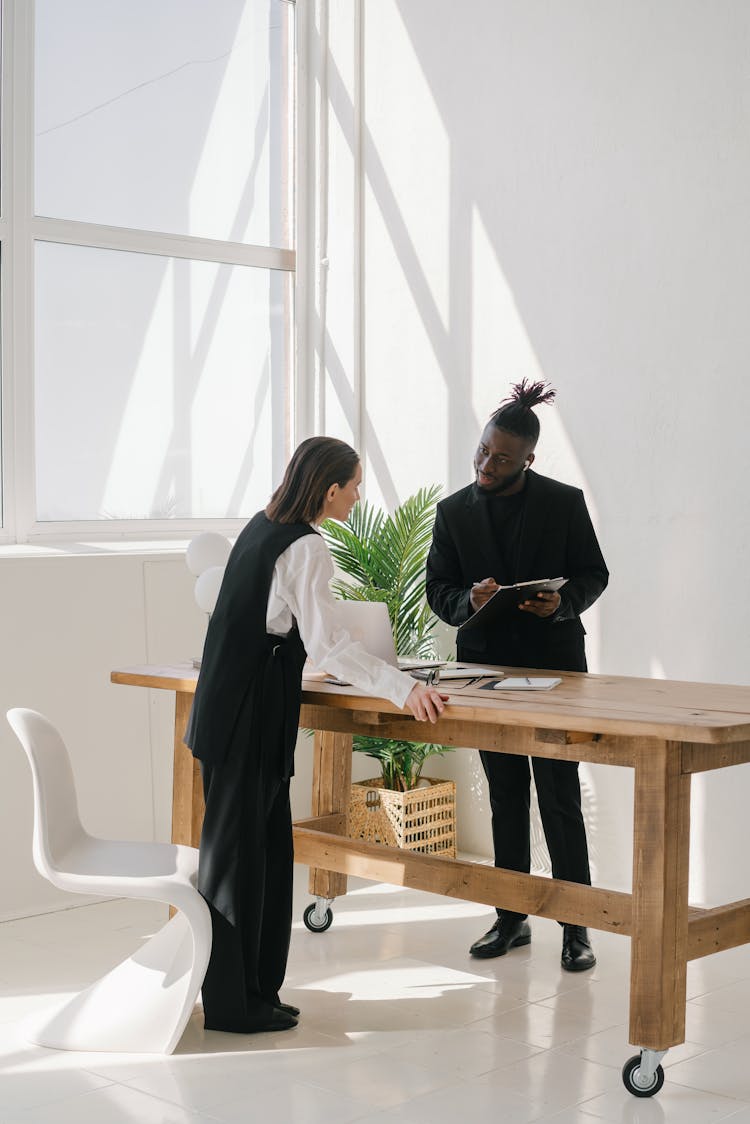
(368, 622)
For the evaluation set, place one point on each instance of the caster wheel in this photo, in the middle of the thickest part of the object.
(630, 1073)
(309, 918)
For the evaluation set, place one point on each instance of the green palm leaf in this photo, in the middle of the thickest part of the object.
(384, 557)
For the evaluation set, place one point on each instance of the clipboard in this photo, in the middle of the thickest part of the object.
(507, 599)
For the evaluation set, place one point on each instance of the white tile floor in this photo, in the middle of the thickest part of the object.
(398, 1024)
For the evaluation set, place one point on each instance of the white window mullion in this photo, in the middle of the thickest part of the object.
(18, 340)
(7, 524)
(305, 165)
(73, 233)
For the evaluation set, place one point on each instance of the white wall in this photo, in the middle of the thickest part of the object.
(560, 191)
(68, 621)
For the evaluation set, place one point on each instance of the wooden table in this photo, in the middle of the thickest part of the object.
(665, 731)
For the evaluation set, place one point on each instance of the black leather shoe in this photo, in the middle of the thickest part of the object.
(507, 932)
(275, 1019)
(275, 1001)
(577, 953)
(289, 1008)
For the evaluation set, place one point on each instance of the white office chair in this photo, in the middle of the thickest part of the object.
(142, 1005)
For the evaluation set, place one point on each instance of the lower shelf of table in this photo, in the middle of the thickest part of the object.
(323, 845)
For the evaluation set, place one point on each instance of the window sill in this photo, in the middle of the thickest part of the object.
(92, 548)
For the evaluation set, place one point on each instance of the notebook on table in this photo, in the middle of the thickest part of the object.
(526, 683)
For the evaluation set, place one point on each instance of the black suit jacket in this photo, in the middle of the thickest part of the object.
(557, 539)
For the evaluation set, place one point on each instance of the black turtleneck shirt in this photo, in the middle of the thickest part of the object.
(506, 519)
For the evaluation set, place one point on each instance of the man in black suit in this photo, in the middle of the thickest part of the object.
(516, 525)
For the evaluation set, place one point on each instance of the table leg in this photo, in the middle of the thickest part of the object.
(187, 786)
(331, 792)
(661, 842)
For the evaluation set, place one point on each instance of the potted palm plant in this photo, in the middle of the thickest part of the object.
(383, 559)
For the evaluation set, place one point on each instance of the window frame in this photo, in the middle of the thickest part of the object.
(21, 229)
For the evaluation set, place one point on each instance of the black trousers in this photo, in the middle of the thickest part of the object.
(249, 955)
(559, 794)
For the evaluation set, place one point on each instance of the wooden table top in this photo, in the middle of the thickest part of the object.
(710, 713)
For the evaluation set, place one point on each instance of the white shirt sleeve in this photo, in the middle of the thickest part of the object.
(300, 590)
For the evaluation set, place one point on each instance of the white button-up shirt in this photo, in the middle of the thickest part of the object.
(300, 592)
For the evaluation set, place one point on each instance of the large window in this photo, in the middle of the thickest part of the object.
(150, 213)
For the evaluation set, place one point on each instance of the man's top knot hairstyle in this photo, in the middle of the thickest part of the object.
(515, 414)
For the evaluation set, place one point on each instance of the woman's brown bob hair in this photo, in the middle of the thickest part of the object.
(316, 464)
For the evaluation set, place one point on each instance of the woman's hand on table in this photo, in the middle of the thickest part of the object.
(425, 703)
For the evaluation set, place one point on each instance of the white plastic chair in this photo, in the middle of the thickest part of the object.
(142, 1005)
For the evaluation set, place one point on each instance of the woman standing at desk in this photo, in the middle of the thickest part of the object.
(274, 608)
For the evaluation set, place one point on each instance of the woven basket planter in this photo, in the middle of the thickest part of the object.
(422, 819)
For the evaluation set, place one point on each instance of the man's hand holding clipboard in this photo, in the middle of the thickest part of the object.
(490, 600)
